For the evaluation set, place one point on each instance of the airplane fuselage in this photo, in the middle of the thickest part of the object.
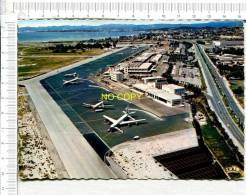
(115, 124)
(72, 81)
(118, 121)
(98, 105)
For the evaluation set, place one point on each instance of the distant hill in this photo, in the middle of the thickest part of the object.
(132, 27)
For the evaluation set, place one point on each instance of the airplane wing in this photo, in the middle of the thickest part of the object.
(99, 104)
(109, 119)
(131, 121)
(87, 105)
(129, 116)
(118, 129)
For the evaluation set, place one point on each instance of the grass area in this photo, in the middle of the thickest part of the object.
(215, 141)
(35, 59)
(234, 85)
(218, 145)
(36, 66)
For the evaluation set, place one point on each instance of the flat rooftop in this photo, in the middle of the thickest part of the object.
(151, 78)
(146, 65)
(156, 57)
(172, 86)
(158, 92)
(136, 158)
(192, 163)
(143, 57)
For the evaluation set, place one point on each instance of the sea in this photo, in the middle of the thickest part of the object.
(32, 36)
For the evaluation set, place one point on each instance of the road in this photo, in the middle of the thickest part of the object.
(223, 88)
(218, 104)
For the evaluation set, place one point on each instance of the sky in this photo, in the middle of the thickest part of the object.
(44, 23)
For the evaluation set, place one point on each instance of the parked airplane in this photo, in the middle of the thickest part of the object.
(75, 80)
(121, 121)
(71, 75)
(98, 107)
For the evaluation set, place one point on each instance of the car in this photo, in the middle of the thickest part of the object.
(136, 137)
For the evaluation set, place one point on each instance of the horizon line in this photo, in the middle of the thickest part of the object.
(97, 22)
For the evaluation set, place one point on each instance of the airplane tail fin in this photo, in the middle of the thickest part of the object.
(127, 109)
(86, 105)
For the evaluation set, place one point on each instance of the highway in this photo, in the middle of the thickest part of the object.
(223, 88)
(218, 104)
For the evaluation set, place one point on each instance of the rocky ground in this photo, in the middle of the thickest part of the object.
(33, 157)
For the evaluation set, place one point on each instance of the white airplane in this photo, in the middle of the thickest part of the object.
(75, 80)
(121, 121)
(98, 106)
(71, 75)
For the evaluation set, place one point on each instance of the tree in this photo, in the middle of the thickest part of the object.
(238, 90)
(115, 43)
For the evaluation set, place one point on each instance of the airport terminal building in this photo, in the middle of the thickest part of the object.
(159, 95)
(174, 89)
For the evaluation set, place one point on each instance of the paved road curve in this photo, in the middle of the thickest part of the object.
(217, 102)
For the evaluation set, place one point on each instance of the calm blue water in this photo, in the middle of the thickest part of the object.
(69, 36)
(71, 97)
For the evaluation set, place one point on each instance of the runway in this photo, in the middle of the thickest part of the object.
(79, 158)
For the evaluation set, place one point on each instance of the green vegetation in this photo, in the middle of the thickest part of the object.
(231, 71)
(168, 75)
(234, 51)
(237, 86)
(200, 42)
(83, 46)
(216, 138)
(217, 144)
(36, 59)
(39, 65)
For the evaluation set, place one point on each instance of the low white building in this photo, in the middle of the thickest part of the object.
(159, 95)
(123, 65)
(116, 76)
(156, 58)
(151, 79)
(156, 81)
(173, 89)
(225, 43)
(143, 57)
(144, 68)
(216, 43)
